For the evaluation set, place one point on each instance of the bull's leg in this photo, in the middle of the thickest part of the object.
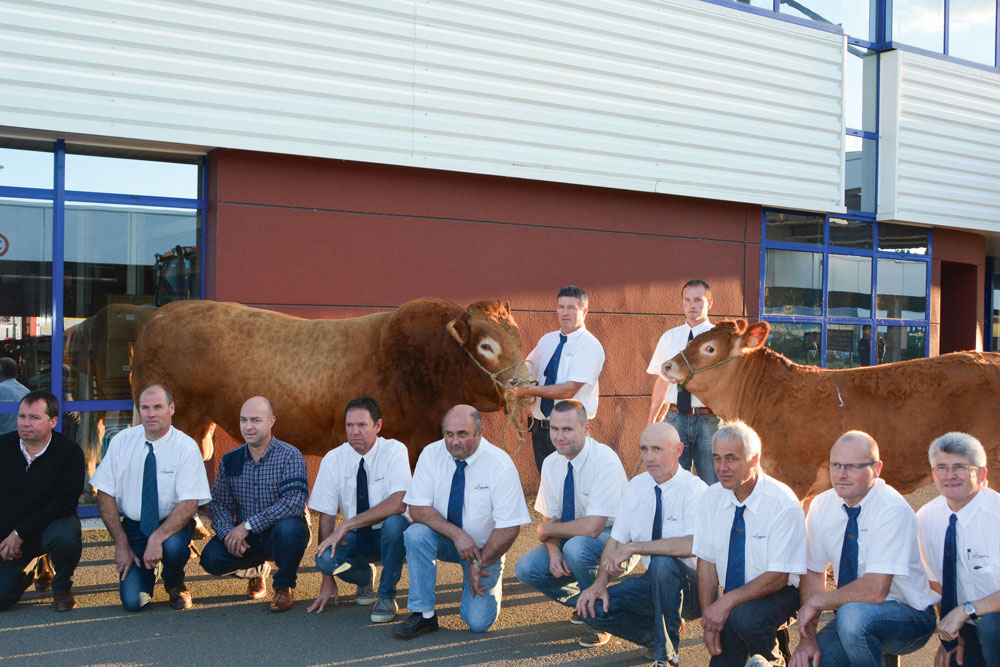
(43, 573)
(819, 485)
(203, 435)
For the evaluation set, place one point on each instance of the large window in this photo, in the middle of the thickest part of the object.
(90, 245)
(843, 293)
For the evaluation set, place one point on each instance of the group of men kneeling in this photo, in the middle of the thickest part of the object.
(746, 535)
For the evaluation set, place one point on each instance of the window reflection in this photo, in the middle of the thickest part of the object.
(26, 169)
(94, 431)
(899, 343)
(919, 23)
(902, 289)
(851, 234)
(793, 283)
(131, 177)
(972, 30)
(795, 227)
(903, 239)
(996, 320)
(799, 342)
(848, 345)
(861, 88)
(860, 164)
(849, 286)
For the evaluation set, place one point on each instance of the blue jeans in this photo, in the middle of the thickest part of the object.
(424, 548)
(176, 552)
(982, 642)
(752, 628)
(61, 540)
(348, 563)
(284, 543)
(647, 609)
(861, 632)
(696, 433)
(583, 556)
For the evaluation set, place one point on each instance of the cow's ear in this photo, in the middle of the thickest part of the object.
(459, 330)
(755, 335)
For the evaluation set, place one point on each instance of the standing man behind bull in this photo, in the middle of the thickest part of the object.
(365, 479)
(582, 483)
(695, 423)
(154, 475)
(751, 538)
(468, 507)
(41, 479)
(566, 364)
(960, 544)
(258, 509)
(868, 532)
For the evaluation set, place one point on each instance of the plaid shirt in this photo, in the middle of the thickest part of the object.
(261, 493)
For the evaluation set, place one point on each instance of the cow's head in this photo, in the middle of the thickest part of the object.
(728, 340)
(488, 333)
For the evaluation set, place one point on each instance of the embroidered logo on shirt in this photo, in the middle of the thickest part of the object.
(672, 518)
(760, 537)
(378, 479)
(482, 487)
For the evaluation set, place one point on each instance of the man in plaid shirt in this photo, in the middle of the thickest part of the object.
(258, 509)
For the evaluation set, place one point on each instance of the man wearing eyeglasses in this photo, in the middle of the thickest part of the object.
(867, 531)
(960, 544)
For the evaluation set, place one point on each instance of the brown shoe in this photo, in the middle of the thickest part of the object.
(282, 600)
(63, 600)
(180, 597)
(257, 586)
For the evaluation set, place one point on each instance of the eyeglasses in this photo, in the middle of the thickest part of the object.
(958, 469)
(849, 467)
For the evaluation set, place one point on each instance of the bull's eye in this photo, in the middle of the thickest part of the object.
(485, 347)
(709, 349)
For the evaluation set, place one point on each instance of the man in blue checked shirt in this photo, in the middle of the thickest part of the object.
(258, 509)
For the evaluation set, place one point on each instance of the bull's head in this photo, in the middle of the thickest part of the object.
(728, 340)
(489, 335)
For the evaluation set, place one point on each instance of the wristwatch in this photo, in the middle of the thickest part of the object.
(247, 526)
(970, 611)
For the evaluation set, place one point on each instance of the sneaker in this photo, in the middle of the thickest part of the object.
(595, 638)
(180, 597)
(257, 586)
(416, 625)
(575, 619)
(366, 592)
(384, 610)
(63, 600)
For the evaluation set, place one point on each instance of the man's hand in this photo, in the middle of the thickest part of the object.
(338, 536)
(943, 656)
(951, 624)
(236, 540)
(125, 558)
(588, 598)
(808, 620)
(476, 575)
(153, 553)
(327, 591)
(713, 641)
(613, 558)
(466, 547)
(558, 567)
(715, 617)
(806, 655)
(10, 548)
(542, 529)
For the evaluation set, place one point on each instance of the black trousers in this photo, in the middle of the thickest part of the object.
(541, 442)
(62, 541)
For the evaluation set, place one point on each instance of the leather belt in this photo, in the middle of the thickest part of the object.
(693, 411)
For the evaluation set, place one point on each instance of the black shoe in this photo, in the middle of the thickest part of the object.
(416, 625)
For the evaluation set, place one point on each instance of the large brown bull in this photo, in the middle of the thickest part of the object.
(800, 410)
(416, 361)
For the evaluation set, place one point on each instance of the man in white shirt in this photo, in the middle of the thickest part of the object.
(685, 412)
(468, 507)
(365, 479)
(751, 539)
(657, 521)
(581, 486)
(867, 531)
(154, 475)
(960, 545)
(566, 364)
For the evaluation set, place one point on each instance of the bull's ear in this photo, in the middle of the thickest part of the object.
(755, 335)
(741, 326)
(459, 330)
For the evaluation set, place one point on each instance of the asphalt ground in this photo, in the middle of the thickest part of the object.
(224, 628)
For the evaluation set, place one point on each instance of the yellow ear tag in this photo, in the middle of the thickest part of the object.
(752, 341)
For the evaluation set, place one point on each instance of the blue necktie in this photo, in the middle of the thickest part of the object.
(365, 535)
(683, 395)
(149, 514)
(949, 572)
(657, 516)
(551, 369)
(736, 564)
(848, 570)
(568, 513)
(456, 499)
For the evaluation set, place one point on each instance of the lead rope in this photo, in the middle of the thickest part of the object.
(518, 411)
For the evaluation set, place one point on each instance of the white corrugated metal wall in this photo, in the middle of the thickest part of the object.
(672, 96)
(939, 153)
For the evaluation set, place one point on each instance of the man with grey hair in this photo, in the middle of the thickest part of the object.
(750, 537)
(10, 390)
(960, 545)
(867, 531)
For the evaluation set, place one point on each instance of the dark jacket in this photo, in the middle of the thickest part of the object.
(31, 498)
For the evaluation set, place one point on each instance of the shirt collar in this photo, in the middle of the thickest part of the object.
(700, 329)
(872, 495)
(28, 457)
(267, 451)
(672, 481)
(475, 457)
(159, 441)
(754, 499)
(576, 334)
(370, 456)
(966, 513)
(580, 459)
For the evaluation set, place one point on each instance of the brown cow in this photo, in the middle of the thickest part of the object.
(416, 361)
(799, 411)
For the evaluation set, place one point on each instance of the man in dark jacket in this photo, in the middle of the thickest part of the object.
(41, 479)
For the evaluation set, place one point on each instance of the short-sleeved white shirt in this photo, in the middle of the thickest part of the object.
(493, 495)
(887, 541)
(387, 465)
(180, 471)
(670, 344)
(598, 482)
(679, 496)
(581, 360)
(775, 530)
(977, 539)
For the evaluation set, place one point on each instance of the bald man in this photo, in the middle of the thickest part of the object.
(258, 509)
(655, 521)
